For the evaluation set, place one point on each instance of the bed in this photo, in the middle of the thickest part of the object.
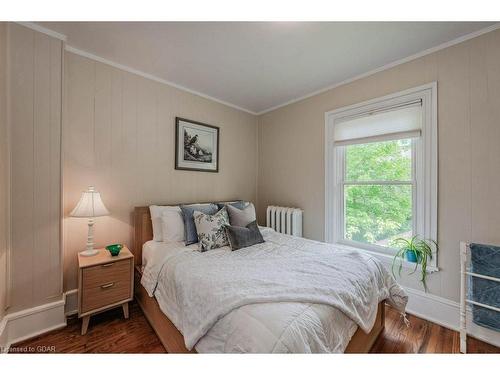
(265, 326)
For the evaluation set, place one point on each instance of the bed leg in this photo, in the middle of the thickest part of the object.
(85, 324)
(125, 310)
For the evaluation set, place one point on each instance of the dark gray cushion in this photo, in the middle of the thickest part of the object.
(238, 204)
(240, 237)
(190, 233)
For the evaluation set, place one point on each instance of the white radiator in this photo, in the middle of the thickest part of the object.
(285, 220)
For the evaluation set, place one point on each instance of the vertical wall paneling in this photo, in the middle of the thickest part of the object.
(41, 168)
(55, 196)
(35, 126)
(119, 136)
(291, 148)
(4, 173)
(454, 167)
(492, 220)
(480, 130)
(21, 74)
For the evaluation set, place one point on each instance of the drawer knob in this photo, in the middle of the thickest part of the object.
(107, 265)
(106, 286)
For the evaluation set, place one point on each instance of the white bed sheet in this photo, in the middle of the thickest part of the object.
(277, 327)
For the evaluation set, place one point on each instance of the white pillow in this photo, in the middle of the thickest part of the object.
(156, 214)
(172, 225)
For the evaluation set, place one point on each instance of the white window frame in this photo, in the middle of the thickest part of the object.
(424, 169)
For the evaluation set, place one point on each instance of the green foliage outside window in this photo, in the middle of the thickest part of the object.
(378, 213)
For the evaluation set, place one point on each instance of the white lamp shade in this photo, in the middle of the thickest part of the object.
(90, 205)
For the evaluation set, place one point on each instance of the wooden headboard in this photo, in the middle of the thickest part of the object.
(143, 231)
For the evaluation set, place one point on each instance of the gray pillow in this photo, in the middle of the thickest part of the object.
(237, 204)
(241, 218)
(240, 237)
(190, 233)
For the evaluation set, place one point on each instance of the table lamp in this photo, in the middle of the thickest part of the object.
(90, 205)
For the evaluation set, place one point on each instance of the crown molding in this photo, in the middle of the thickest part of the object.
(62, 37)
(390, 65)
(439, 47)
(152, 77)
(43, 30)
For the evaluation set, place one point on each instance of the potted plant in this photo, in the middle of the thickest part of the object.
(414, 250)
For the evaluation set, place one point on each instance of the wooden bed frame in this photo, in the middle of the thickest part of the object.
(169, 335)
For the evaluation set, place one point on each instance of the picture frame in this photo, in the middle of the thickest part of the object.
(196, 146)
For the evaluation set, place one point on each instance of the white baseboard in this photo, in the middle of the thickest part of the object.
(24, 324)
(433, 308)
(446, 313)
(3, 335)
(71, 307)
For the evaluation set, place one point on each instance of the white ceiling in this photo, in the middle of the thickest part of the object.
(258, 65)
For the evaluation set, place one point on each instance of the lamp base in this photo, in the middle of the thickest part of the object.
(89, 253)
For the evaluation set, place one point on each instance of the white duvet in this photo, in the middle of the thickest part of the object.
(287, 294)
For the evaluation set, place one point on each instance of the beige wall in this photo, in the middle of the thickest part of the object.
(35, 124)
(291, 148)
(4, 184)
(119, 136)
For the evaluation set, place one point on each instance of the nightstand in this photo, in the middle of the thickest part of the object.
(104, 282)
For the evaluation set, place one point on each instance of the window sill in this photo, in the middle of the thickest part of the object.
(387, 259)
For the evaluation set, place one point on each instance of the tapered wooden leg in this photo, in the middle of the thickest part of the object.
(125, 310)
(85, 324)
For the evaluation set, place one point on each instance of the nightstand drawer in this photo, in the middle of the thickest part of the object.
(105, 294)
(104, 282)
(107, 273)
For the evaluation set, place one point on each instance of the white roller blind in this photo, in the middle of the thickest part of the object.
(402, 121)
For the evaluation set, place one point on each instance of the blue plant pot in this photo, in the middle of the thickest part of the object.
(411, 257)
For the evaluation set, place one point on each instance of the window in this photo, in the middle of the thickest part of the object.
(378, 189)
(381, 170)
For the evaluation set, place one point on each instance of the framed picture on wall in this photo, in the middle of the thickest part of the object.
(196, 146)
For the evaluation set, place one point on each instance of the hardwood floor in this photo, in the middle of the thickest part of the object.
(423, 337)
(110, 333)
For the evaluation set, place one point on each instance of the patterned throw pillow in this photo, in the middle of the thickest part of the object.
(210, 228)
